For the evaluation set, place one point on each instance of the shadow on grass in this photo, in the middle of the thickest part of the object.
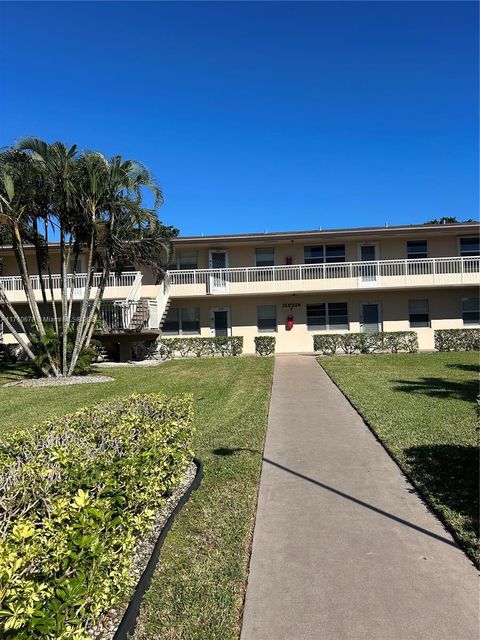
(475, 368)
(440, 387)
(450, 474)
(226, 451)
(13, 372)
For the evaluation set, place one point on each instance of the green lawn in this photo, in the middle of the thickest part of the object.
(197, 592)
(422, 407)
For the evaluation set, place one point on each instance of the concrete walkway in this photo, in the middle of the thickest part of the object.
(343, 548)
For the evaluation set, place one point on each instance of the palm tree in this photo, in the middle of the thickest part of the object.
(91, 203)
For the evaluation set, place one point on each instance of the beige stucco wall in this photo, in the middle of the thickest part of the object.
(388, 249)
(445, 313)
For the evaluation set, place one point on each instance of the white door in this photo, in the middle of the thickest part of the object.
(220, 322)
(218, 261)
(370, 317)
(368, 272)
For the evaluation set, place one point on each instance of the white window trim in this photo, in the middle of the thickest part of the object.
(469, 324)
(428, 311)
(327, 318)
(262, 331)
(260, 248)
(178, 258)
(368, 244)
(417, 240)
(459, 246)
(184, 333)
(324, 251)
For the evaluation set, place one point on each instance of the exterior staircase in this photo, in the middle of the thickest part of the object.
(138, 316)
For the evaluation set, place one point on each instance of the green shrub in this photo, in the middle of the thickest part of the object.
(389, 341)
(265, 345)
(457, 339)
(199, 347)
(327, 343)
(78, 492)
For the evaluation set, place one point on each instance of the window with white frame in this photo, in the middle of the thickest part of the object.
(187, 260)
(324, 253)
(471, 311)
(267, 317)
(470, 247)
(264, 257)
(327, 315)
(417, 249)
(184, 321)
(419, 313)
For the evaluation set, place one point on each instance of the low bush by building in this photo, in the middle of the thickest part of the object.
(167, 348)
(265, 345)
(380, 341)
(457, 339)
(77, 494)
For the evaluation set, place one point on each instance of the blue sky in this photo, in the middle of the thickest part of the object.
(259, 116)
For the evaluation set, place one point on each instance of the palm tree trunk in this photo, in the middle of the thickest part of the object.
(72, 288)
(63, 287)
(11, 308)
(50, 281)
(84, 308)
(27, 285)
(90, 322)
(39, 268)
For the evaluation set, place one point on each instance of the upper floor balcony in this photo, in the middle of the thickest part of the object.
(119, 286)
(341, 276)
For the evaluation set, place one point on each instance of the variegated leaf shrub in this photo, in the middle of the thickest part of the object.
(77, 493)
(379, 341)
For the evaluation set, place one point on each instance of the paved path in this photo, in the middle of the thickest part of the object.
(343, 548)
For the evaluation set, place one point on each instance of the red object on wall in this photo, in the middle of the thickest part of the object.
(289, 323)
(289, 259)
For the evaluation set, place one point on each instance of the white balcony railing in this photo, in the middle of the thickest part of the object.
(118, 285)
(341, 276)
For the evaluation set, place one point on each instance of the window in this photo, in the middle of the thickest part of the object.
(337, 315)
(190, 321)
(313, 255)
(317, 316)
(418, 312)
(331, 315)
(417, 249)
(171, 324)
(267, 317)
(265, 257)
(469, 247)
(187, 260)
(471, 311)
(335, 253)
(324, 253)
(182, 322)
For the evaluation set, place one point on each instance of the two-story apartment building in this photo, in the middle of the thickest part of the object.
(366, 279)
(295, 284)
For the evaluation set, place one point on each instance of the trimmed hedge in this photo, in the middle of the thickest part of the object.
(457, 339)
(380, 341)
(77, 494)
(198, 347)
(265, 345)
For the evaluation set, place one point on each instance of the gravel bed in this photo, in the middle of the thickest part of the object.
(130, 363)
(58, 382)
(106, 627)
